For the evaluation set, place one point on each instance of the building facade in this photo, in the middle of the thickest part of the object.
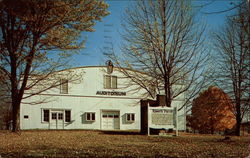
(102, 99)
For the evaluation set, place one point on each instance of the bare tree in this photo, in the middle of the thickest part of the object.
(163, 40)
(37, 37)
(233, 60)
(5, 107)
(234, 6)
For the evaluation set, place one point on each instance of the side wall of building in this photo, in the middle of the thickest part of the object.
(88, 95)
(79, 106)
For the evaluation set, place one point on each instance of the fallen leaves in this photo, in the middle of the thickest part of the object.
(99, 144)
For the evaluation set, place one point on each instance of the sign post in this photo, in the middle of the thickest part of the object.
(176, 121)
(149, 120)
(160, 118)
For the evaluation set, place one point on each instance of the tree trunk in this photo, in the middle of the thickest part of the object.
(212, 130)
(212, 125)
(167, 92)
(238, 121)
(167, 96)
(237, 130)
(15, 116)
(238, 117)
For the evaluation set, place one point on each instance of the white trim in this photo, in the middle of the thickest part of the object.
(84, 96)
(91, 116)
(130, 121)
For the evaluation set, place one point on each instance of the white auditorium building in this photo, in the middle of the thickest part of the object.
(101, 100)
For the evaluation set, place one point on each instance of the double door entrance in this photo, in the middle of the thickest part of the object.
(57, 119)
(110, 120)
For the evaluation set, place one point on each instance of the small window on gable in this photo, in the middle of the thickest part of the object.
(90, 116)
(64, 86)
(26, 116)
(130, 117)
(110, 82)
(114, 82)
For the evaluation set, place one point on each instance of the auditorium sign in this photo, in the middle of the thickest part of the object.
(113, 93)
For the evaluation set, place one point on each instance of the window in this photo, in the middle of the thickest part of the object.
(60, 116)
(54, 116)
(64, 86)
(110, 82)
(104, 116)
(45, 115)
(26, 116)
(110, 116)
(130, 117)
(90, 116)
(67, 115)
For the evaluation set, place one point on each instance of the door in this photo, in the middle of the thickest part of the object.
(57, 120)
(110, 120)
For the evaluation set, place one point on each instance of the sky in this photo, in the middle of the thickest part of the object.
(109, 29)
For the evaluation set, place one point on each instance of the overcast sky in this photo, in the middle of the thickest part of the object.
(109, 30)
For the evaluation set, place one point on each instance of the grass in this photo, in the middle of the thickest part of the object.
(110, 144)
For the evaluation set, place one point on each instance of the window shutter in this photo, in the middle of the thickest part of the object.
(104, 82)
(88, 117)
(61, 81)
(108, 81)
(67, 116)
(128, 117)
(93, 116)
(46, 115)
(114, 82)
(64, 86)
(132, 117)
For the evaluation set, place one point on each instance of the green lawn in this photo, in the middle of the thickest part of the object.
(107, 144)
